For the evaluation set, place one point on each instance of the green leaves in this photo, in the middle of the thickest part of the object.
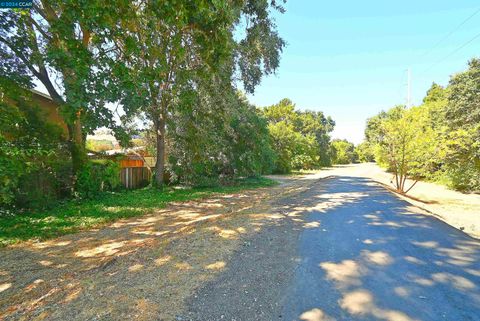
(438, 140)
(28, 144)
(215, 136)
(300, 138)
(343, 152)
(173, 62)
(463, 109)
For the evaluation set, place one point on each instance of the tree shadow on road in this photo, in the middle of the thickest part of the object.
(366, 254)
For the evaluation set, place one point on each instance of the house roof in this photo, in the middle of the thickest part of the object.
(133, 151)
(41, 94)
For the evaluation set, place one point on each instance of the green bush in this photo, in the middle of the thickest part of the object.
(213, 141)
(30, 147)
(462, 178)
(299, 139)
(43, 187)
(365, 152)
(96, 177)
(343, 152)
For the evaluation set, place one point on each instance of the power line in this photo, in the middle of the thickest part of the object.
(451, 32)
(409, 87)
(401, 86)
(453, 52)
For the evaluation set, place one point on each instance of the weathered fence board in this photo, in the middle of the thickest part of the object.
(135, 177)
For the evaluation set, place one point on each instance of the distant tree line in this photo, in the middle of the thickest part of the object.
(299, 139)
(344, 152)
(438, 140)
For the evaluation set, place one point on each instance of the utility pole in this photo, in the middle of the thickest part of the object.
(409, 88)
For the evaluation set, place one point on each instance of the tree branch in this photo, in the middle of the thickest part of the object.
(411, 187)
(39, 28)
(21, 56)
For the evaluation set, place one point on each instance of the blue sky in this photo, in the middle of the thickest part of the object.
(349, 58)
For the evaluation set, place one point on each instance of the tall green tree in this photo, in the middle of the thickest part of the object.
(316, 124)
(343, 152)
(218, 137)
(462, 137)
(56, 44)
(300, 138)
(405, 142)
(463, 109)
(438, 140)
(162, 48)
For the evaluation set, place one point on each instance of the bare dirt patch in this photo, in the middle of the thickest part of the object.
(137, 269)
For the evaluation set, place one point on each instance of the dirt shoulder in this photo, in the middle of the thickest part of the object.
(254, 284)
(138, 269)
(457, 209)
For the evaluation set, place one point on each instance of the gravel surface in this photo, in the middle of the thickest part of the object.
(253, 287)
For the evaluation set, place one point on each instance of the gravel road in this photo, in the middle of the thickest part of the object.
(349, 250)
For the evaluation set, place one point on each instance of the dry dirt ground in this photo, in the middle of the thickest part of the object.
(135, 269)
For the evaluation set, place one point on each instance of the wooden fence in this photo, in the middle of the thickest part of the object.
(135, 177)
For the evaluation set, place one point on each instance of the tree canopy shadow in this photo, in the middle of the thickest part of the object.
(372, 256)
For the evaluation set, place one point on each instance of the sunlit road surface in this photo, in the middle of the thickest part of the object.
(364, 254)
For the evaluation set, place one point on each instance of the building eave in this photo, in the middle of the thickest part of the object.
(36, 92)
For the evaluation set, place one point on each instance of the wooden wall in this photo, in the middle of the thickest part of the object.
(135, 177)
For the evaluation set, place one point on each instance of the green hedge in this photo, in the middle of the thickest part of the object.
(96, 177)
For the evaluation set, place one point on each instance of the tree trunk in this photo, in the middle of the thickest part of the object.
(160, 164)
(397, 185)
(403, 183)
(77, 146)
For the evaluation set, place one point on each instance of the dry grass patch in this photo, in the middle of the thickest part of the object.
(139, 268)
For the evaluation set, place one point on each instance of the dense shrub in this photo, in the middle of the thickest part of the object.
(344, 152)
(30, 147)
(300, 139)
(44, 186)
(215, 138)
(365, 152)
(96, 177)
(461, 167)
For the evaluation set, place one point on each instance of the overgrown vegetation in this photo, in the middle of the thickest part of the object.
(218, 138)
(300, 139)
(438, 140)
(173, 64)
(97, 177)
(81, 214)
(34, 160)
(168, 62)
(344, 152)
(175, 61)
(365, 152)
(35, 165)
